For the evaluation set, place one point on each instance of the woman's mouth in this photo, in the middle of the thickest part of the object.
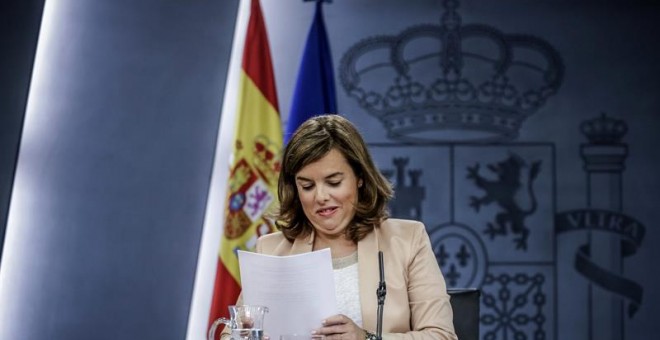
(326, 211)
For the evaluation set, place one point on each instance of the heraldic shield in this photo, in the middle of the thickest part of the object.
(489, 211)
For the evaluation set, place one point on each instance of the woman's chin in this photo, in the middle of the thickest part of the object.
(332, 232)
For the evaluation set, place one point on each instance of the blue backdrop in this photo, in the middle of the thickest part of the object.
(531, 157)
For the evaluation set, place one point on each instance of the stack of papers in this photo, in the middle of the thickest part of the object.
(298, 290)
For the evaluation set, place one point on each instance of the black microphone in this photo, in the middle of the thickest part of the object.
(380, 293)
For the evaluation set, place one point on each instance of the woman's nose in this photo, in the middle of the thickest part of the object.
(322, 194)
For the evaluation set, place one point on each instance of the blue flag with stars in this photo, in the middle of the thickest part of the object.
(315, 87)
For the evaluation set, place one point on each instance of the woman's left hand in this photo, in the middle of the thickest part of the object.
(341, 327)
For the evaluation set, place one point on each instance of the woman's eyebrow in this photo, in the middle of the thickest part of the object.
(301, 178)
(335, 174)
(332, 175)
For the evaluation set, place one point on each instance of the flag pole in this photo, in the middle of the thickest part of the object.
(213, 219)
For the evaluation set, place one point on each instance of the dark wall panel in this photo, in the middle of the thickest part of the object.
(19, 30)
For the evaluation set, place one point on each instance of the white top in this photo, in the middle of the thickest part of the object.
(347, 290)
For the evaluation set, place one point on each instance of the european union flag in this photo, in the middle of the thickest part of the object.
(315, 87)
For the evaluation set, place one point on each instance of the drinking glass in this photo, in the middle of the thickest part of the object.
(301, 337)
(245, 322)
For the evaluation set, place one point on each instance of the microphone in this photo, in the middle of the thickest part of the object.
(380, 293)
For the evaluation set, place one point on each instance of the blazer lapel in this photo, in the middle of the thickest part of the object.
(303, 244)
(369, 276)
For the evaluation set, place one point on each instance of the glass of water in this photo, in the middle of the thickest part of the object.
(301, 337)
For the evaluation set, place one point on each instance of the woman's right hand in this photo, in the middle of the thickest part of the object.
(341, 327)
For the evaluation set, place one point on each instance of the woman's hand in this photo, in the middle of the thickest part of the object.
(341, 327)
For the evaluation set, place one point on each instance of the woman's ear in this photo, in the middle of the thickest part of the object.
(360, 183)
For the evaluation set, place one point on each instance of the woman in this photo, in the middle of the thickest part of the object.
(332, 196)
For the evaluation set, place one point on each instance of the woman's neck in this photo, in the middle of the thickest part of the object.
(339, 247)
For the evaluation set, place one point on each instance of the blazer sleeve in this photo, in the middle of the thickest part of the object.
(431, 316)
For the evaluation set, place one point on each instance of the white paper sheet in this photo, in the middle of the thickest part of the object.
(298, 290)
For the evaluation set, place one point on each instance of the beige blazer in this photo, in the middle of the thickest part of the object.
(417, 304)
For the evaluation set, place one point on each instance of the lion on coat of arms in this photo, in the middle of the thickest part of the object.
(503, 191)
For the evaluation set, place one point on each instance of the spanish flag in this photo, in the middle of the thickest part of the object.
(255, 165)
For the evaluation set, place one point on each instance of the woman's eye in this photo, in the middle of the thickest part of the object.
(306, 187)
(334, 184)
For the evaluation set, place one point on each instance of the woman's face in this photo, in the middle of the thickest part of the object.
(328, 192)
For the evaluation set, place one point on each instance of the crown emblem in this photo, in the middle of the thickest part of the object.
(451, 82)
(604, 130)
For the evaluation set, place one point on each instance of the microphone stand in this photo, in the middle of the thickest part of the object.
(380, 293)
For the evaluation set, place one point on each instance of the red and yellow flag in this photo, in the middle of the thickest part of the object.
(252, 185)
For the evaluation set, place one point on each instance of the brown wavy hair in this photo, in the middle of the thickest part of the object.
(311, 142)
